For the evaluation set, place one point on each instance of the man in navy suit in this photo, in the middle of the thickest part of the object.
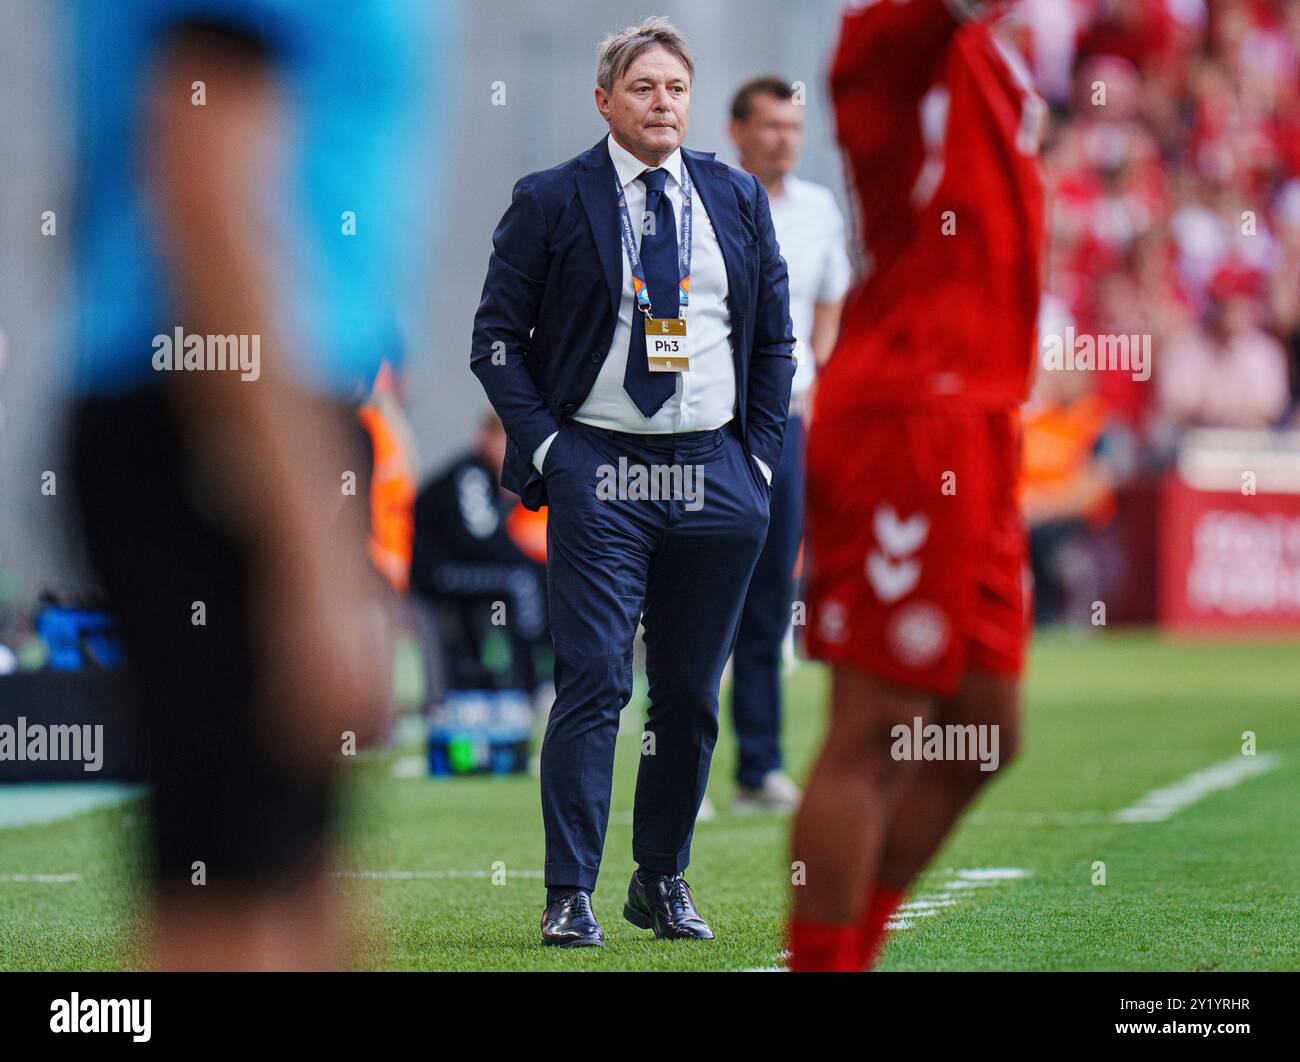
(634, 336)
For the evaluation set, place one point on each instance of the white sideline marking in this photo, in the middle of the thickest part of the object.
(978, 878)
(1035, 818)
(1161, 804)
(926, 906)
(39, 879)
(409, 767)
(431, 875)
(36, 803)
(782, 957)
(929, 904)
(983, 874)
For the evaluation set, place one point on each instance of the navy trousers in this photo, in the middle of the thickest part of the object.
(678, 560)
(756, 666)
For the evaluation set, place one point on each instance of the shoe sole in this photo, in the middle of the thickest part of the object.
(643, 921)
(572, 943)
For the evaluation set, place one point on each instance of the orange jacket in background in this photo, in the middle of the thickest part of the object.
(392, 484)
(1059, 444)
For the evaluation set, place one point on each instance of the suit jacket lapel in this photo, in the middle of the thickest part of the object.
(719, 200)
(596, 189)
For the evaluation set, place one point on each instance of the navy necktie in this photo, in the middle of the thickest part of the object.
(650, 390)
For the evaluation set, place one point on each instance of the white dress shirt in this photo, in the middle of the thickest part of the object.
(810, 230)
(706, 395)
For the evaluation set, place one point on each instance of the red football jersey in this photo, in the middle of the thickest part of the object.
(940, 128)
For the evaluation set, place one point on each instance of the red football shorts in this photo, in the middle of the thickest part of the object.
(917, 547)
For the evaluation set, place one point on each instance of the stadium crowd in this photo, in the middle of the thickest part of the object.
(1173, 162)
(1175, 165)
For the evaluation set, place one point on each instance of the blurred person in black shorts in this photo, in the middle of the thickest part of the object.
(226, 315)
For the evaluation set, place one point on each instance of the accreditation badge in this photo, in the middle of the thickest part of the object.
(665, 344)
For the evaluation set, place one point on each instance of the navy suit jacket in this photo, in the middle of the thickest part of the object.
(551, 297)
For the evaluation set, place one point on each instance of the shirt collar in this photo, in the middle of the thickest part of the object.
(628, 167)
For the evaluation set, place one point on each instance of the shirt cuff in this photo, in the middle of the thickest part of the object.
(767, 472)
(539, 455)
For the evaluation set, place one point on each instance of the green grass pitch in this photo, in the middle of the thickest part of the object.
(1109, 719)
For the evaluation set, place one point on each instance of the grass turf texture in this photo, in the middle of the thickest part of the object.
(1109, 719)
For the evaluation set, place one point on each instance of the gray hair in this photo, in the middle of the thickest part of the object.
(620, 50)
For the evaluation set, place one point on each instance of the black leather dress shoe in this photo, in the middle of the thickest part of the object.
(569, 922)
(664, 904)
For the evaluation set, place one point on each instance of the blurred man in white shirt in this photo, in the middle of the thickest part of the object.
(767, 129)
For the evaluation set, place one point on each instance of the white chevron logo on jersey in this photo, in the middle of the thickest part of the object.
(898, 537)
(891, 580)
(890, 569)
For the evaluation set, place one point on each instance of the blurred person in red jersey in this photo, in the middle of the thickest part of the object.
(916, 541)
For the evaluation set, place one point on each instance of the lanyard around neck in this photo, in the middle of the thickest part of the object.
(683, 250)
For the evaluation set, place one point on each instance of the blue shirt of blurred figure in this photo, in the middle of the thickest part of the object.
(355, 81)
